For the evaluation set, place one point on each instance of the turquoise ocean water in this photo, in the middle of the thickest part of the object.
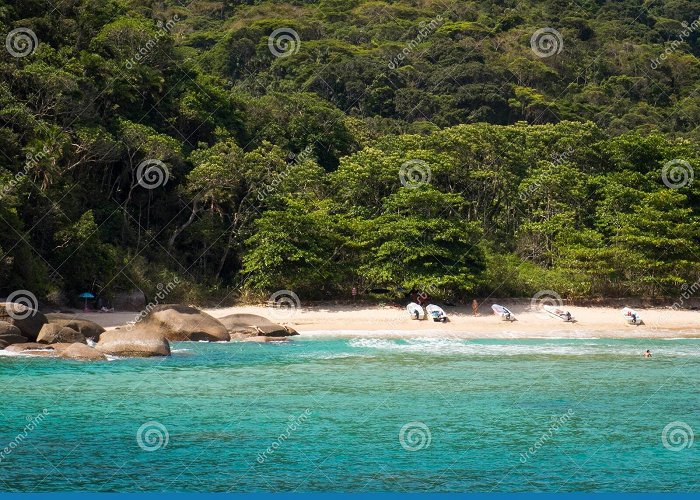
(359, 415)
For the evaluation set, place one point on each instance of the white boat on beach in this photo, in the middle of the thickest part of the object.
(436, 313)
(503, 312)
(631, 316)
(416, 311)
(559, 313)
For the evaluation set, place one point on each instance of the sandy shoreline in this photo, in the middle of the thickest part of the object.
(387, 321)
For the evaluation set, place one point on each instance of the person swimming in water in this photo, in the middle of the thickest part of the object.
(647, 354)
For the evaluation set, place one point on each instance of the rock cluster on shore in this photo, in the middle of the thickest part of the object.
(242, 326)
(30, 332)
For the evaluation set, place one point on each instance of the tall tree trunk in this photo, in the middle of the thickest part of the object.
(227, 248)
(176, 233)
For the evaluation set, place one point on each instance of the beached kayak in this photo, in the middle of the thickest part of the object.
(415, 310)
(631, 316)
(558, 312)
(503, 312)
(436, 313)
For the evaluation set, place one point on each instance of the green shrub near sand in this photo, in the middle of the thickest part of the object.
(468, 165)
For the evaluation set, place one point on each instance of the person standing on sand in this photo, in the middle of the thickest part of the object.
(475, 307)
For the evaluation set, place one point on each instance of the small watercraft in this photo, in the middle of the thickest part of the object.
(632, 316)
(415, 311)
(503, 312)
(558, 312)
(436, 313)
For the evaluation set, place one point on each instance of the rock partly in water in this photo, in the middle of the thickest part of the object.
(262, 338)
(89, 329)
(82, 352)
(29, 346)
(10, 334)
(59, 346)
(29, 321)
(52, 333)
(247, 325)
(178, 322)
(8, 340)
(138, 342)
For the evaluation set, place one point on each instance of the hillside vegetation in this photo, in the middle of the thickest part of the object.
(467, 148)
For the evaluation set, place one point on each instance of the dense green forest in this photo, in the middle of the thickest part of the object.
(469, 148)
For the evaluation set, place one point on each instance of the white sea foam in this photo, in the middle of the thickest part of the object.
(23, 354)
(9, 354)
(326, 356)
(451, 346)
(326, 334)
(441, 334)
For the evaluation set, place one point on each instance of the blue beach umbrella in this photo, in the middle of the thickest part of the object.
(86, 296)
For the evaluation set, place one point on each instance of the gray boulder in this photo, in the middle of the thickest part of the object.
(252, 325)
(10, 334)
(89, 329)
(138, 342)
(28, 346)
(178, 322)
(52, 333)
(82, 352)
(29, 321)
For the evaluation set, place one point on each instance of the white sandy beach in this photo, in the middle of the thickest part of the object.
(388, 321)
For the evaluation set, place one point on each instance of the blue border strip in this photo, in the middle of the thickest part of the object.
(352, 496)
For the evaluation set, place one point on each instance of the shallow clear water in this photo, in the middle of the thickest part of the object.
(359, 415)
